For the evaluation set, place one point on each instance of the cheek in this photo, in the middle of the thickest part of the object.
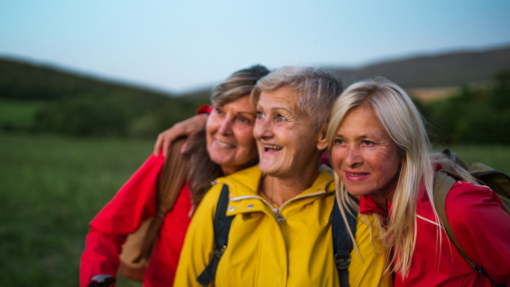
(212, 125)
(245, 139)
(337, 157)
(385, 163)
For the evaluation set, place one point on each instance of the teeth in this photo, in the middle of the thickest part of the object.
(224, 144)
(272, 147)
(355, 174)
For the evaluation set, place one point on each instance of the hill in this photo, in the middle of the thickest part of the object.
(39, 98)
(443, 70)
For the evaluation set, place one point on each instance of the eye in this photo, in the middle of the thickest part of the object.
(368, 143)
(218, 110)
(244, 120)
(260, 115)
(339, 141)
(280, 118)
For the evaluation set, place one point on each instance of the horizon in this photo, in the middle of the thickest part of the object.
(182, 47)
(200, 88)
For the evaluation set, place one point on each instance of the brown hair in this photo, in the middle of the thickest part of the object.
(202, 170)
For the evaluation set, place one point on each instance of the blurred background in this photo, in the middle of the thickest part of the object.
(85, 87)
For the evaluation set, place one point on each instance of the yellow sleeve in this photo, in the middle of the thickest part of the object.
(198, 249)
(369, 270)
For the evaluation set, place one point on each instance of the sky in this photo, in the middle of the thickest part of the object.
(180, 46)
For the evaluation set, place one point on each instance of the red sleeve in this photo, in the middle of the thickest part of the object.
(482, 228)
(134, 202)
(204, 109)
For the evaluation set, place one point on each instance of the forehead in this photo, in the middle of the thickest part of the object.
(284, 97)
(242, 104)
(361, 121)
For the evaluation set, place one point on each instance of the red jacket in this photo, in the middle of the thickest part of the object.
(482, 228)
(135, 202)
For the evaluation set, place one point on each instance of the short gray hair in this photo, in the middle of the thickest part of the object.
(316, 88)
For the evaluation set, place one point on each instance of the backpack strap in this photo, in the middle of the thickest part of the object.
(221, 224)
(443, 183)
(342, 243)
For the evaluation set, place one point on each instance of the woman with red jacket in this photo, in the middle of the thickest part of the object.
(381, 153)
(225, 146)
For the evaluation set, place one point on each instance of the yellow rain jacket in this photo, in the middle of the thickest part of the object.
(286, 246)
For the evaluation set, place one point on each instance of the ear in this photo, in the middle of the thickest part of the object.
(322, 142)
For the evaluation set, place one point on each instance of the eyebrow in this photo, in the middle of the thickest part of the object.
(276, 108)
(358, 138)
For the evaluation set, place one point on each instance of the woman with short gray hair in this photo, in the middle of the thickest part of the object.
(279, 211)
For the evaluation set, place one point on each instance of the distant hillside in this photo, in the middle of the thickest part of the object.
(39, 98)
(24, 81)
(443, 70)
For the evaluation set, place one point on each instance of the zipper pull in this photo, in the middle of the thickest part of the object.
(279, 218)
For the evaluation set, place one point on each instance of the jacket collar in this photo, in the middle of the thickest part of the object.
(367, 205)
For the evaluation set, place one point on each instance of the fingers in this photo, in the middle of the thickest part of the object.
(158, 145)
(183, 147)
(184, 128)
(172, 134)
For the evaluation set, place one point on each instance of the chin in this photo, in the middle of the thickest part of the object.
(218, 158)
(267, 169)
(357, 190)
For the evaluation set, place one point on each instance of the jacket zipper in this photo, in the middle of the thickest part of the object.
(276, 211)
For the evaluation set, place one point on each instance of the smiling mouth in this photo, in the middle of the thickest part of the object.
(268, 147)
(358, 174)
(223, 144)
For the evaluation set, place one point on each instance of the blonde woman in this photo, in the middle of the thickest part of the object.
(381, 153)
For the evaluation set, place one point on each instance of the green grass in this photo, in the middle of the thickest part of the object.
(18, 114)
(52, 186)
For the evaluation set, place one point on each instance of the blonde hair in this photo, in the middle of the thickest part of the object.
(317, 90)
(405, 125)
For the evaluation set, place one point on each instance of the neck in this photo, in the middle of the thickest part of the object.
(382, 198)
(282, 189)
(228, 170)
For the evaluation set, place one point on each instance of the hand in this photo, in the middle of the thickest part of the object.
(103, 280)
(184, 128)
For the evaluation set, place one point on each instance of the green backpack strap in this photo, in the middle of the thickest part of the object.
(496, 180)
(443, 182)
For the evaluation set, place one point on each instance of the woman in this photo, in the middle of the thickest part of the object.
(225, 146)
(280, 234)
(380, 152)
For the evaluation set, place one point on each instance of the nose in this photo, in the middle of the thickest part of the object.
(226, 126)
(262, 129)
(353, 157)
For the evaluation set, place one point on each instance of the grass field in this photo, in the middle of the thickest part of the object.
(18, 114)
(52, 186)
